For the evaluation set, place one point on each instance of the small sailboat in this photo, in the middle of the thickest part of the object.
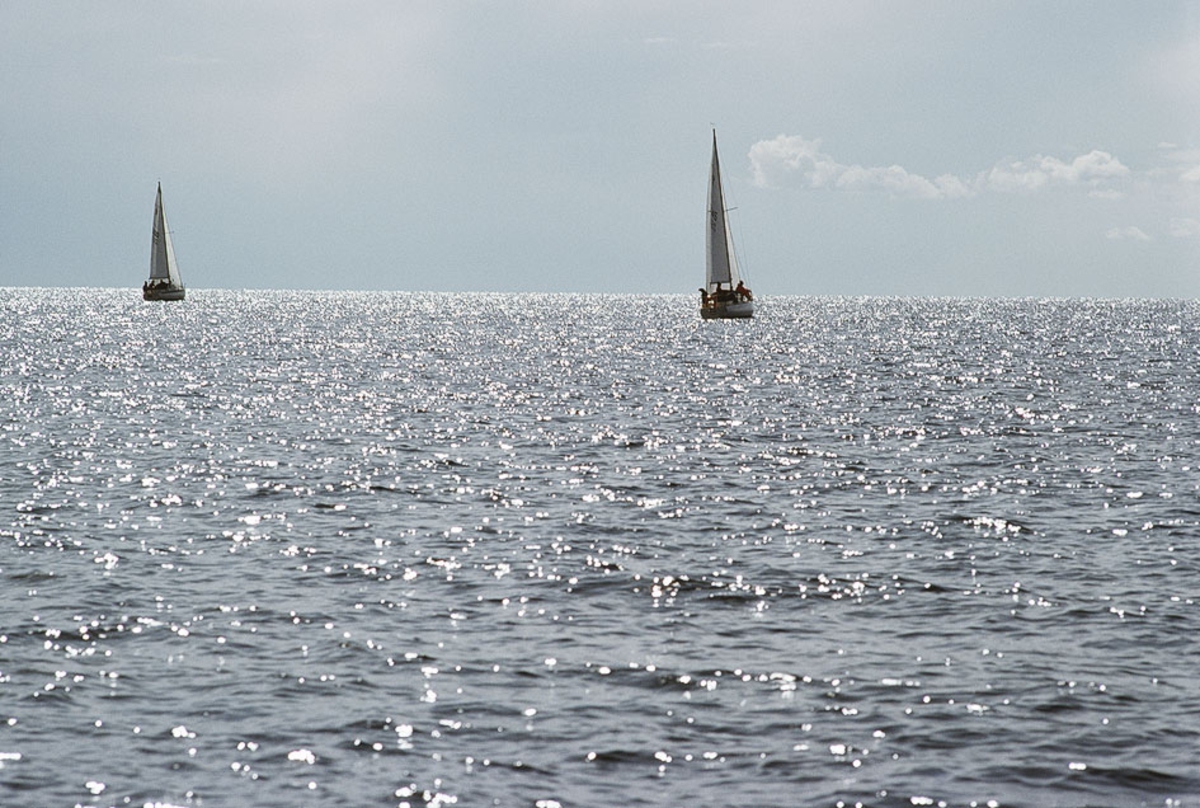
(164, 283)
(724, 295)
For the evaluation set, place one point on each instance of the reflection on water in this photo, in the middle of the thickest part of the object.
(345, 549)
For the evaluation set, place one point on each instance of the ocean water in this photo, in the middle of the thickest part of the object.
(332, 549)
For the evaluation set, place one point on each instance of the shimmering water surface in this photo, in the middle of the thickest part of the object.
(317, 549)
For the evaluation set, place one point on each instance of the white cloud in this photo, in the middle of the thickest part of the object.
(1127, 234)
(775, 161)
(787, 157)
(1181, 163)
(1185, 228)
(1040, 172)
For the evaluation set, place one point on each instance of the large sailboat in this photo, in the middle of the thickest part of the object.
(164, 283)
(724, 295)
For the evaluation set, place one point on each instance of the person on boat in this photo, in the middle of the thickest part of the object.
(703, 298)
(743, 292)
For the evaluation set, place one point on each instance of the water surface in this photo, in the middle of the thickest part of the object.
(276, 548)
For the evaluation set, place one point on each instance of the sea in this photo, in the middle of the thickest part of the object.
(285, 548)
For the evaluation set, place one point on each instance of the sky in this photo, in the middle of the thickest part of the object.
(1016, 148)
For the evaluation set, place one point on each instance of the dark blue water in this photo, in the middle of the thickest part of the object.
(318, 549)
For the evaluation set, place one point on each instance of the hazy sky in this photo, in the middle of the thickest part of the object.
(934, 148)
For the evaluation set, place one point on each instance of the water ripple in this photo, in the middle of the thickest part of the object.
(284, 548)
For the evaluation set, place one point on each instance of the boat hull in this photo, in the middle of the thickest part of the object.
(163, 293)
(742, 310)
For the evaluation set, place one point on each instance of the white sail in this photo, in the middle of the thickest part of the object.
(720, 261)
(724, 296)
(162, 253)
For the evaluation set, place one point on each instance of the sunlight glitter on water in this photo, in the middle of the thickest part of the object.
(735, 567)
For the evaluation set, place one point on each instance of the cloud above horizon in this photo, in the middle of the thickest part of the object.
(791, 159)
(1129, 233)
(1184, 227)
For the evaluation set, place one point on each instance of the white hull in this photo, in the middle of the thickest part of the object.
(728, 311)
(150, 292)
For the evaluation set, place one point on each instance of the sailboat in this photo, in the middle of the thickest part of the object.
(164, 283)
(724, 295)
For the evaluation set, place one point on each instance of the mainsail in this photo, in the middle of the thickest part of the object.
(721, 263)
(162, 254)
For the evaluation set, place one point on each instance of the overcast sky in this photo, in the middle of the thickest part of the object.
(1040, 148)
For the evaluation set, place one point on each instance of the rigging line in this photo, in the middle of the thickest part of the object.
(739, 247)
